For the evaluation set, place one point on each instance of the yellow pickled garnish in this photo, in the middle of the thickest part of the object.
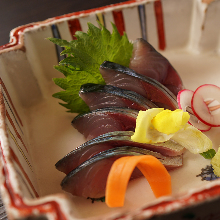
(216, 163)
(169, 122)
(158, 125)
(145, 131)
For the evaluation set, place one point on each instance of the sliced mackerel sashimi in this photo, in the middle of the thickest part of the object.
(98, 96)
(147, 61)
(126, 78)
(101, 121)
(89, 178)
(169, 149)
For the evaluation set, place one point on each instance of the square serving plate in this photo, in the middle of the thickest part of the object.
(35, 131)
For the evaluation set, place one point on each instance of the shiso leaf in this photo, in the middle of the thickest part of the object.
(84, 57)
(60, 42)
(208, 154)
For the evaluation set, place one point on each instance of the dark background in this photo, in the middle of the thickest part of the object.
(14, 13)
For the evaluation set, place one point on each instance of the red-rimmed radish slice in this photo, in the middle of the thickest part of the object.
(184, 98)
(206, 104)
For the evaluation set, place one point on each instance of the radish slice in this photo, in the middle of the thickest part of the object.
(206, 104)
(184, 98)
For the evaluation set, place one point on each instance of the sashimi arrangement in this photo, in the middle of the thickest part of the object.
(127, 96)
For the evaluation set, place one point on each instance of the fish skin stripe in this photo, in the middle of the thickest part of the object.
(119, 21)
(12, 124)
(15, 158)
(9, 98)
(160, 24)
(74, 25)
(19, 148)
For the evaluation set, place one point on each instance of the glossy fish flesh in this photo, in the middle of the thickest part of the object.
(89, 178)
(126, 78)
(147, 61)
(170, 149)
(101, 121)
(98, 96)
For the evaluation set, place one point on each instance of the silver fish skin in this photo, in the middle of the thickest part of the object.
(89, 178)
(112, 140)
(149, 62)
(123, 77)
(101, 121)
(98, 96)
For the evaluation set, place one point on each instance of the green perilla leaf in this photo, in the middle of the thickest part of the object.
(85, 55)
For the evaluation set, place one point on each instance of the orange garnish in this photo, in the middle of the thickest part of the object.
(120, 173)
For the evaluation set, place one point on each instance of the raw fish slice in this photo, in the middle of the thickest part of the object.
(98, 96)
(112, 140)
(89, 179)
(125, 78)
(147, 61)
(105, 120)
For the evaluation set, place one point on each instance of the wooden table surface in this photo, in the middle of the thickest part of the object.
(14, 13)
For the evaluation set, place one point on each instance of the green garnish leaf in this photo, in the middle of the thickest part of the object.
(84, 57)
(208, 154)
(101, 199)
(216, 164)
